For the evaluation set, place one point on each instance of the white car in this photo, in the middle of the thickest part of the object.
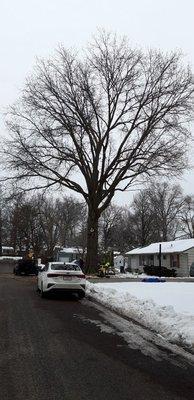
(61, 277)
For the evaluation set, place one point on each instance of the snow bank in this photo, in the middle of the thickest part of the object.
(10, 258)
(130, 275)
(177, 327)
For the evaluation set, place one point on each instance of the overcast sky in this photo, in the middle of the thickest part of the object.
(30, 28)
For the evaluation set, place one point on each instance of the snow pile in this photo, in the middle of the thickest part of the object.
(130, 275)
(177, 327)
(10, 258)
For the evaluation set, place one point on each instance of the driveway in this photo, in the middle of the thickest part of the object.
(64, 349)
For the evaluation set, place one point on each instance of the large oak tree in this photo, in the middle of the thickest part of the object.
(98, 123)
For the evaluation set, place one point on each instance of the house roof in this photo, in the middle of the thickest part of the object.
(176, 246)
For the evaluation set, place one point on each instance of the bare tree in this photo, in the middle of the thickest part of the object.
(98, 125)
(141, 219)
(4, 218)
(166, 203)
(109, 221)
(118, 226)
(24, 225)
(41, 222)
(187, 216)
(156, 213)
(70, 215)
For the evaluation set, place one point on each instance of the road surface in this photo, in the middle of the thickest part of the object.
(64, 349)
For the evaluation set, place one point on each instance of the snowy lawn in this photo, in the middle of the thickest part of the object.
(10, 258)
(129, 275)
(167, 308)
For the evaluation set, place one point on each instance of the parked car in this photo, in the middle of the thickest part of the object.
(26, 267)
(60, 277)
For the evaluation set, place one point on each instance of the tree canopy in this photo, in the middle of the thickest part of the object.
(98, 123)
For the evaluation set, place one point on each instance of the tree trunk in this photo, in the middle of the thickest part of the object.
(92, 241)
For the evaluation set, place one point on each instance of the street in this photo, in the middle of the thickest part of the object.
(65, 349)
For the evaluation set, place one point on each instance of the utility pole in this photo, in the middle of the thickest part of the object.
(160, 259)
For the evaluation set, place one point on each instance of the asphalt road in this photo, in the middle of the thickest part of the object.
(64, 349)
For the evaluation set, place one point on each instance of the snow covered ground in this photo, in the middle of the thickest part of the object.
(167, 308)
(129, 275)
(10, 258)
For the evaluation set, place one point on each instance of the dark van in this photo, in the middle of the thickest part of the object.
(26, 267)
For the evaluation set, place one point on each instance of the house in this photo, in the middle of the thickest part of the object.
(67, 254)
(119, 261)
(177, 254)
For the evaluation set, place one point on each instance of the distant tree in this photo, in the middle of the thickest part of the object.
(25, 230)
(187, 216)
(108, 224)
(71, 213)
(41, 222)
(123, 238)
(141, 219)
(5, 205)
(166, 203)
(156, 213)
(101, 124)
(48, 224)
(1, 223)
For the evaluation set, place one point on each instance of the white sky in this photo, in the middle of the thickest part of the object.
(30, 28)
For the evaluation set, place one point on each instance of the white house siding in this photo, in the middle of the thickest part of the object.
(190, 253)
(119, 261)
(165, 260)
(185, 262)
(183, 270)
(134, 262)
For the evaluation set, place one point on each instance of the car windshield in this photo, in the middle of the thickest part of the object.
(65, 267)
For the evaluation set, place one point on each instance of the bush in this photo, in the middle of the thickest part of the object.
(157, 271)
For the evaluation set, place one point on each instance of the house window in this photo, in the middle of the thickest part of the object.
(163, 256)
(174, 261)
(141, 260)
(150, 259)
